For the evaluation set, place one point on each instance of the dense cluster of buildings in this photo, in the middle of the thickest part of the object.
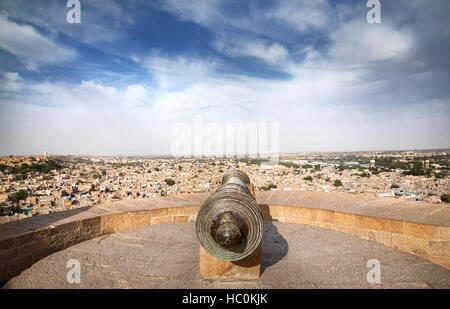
(34, 185)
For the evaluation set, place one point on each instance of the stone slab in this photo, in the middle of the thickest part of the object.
(247, 269)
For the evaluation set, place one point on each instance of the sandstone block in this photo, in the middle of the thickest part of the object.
(440, 248)
(33, 246)
(361, 233)
(162, 212)
(24, 238)
(161, 220)
(444, 232)
(325, 216)
(8, 255)
(191, 210)
(291, 212)
(247, 269)
(111, 223)
(7, 243)
(343, 218)
(176, 211)
(180, 218)
(423, 231)
(276, 211)
(402, 242)
(420, 247)
(379, 224)
(387, 239)
(297, 220)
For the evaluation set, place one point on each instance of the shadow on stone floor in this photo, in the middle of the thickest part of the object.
(274, 246)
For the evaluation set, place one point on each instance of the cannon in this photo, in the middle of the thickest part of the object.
(230, 224)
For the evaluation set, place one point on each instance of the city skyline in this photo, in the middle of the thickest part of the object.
(119, 81)
(169, 156)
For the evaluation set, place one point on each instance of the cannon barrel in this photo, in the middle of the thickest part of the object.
(230, 224)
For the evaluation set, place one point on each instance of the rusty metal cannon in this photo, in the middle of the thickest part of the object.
(230, 224)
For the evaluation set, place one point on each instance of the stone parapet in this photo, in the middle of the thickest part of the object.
(431, 242)
(407, 226)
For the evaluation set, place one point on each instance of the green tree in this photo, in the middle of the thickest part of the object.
(20, 195)
(342, 168)
(395, 186)
(289, 164)
(170, 182)
(337, 183)
(445, 198)
(308, 178)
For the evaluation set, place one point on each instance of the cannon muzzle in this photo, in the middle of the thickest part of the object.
(230, 224)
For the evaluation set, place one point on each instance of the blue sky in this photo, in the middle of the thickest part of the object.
(119, 81)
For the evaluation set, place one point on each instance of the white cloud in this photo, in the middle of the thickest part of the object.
(203, 12)
(32, 48)
(96, 90)
(206, 94)
(11, 81)
(94, 95)
(359, 42)
(301, 15)
(272, 53)
(87, 95)
(101, 21)
(176, 72)
(135, 95)
(177, 65)
(324, 108)
(327, 104)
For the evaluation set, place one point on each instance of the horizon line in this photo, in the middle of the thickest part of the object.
(238, 155)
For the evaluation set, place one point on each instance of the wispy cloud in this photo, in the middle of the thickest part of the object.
(269, 52)
(200, 11)
(351, 85)
(301, 15)
(176, 72)
(358, 42)
(31, 47)
(11, 82)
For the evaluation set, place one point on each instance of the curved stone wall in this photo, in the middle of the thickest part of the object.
(431, 242)
(23, 243)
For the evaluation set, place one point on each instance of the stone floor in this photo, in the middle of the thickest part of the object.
(294, 256)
